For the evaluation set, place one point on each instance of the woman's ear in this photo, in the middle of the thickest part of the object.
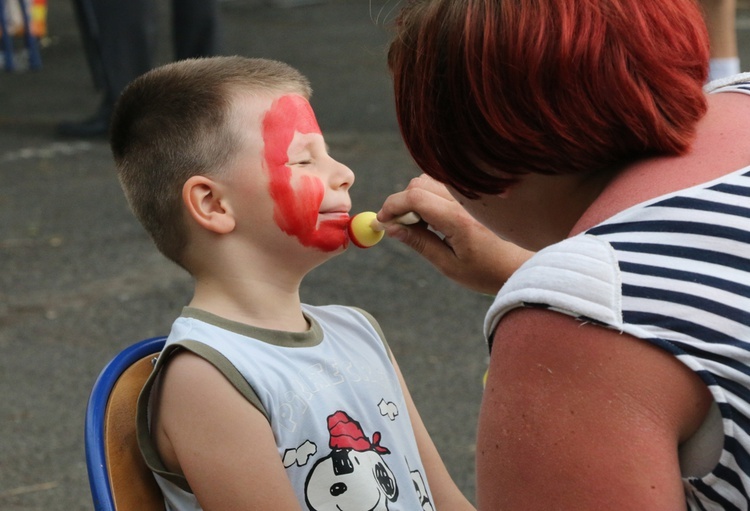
(206, 205)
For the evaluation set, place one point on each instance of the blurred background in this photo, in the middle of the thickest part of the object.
(80, 280)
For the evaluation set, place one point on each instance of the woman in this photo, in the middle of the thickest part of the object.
(580, 131)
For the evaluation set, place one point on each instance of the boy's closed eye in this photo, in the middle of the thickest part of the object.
(308, 159)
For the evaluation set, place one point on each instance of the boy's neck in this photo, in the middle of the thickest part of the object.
(257, 303)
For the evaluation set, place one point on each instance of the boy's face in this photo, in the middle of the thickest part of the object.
(309, 190)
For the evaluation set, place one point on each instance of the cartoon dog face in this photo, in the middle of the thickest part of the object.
(349, 480)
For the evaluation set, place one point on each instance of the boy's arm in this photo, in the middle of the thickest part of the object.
(445, 492)
(205, 429)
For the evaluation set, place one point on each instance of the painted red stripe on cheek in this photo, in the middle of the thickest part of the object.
(296, 210)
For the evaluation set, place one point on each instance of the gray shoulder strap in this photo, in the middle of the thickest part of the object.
(375, 325)
(222, 364)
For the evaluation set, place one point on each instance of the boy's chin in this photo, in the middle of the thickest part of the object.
(329, 238)
(333, 251)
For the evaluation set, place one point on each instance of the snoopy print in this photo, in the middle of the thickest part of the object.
(353, 476)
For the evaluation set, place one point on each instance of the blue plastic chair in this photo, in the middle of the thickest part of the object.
(118, 476)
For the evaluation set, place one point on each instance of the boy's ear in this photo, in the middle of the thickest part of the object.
(206, 205)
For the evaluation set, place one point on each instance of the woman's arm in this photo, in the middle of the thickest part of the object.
(455, 243)
(576, 416)
(204, 428)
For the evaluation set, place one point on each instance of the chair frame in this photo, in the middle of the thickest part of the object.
(96, 410)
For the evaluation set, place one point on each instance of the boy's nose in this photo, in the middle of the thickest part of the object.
(342, 176)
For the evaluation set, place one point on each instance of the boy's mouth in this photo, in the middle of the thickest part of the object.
(331, 218)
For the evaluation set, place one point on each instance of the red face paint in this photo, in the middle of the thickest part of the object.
(296, 209)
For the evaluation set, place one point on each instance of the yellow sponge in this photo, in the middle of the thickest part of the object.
(361, 230)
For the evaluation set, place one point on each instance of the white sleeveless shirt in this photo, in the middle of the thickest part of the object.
(332, 399)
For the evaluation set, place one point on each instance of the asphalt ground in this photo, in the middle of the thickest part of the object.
(79, 279)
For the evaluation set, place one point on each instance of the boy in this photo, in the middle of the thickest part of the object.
(259, 401)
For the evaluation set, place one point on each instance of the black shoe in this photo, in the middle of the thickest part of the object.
(93, 127)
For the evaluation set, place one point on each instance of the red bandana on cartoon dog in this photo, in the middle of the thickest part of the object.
(346, 433)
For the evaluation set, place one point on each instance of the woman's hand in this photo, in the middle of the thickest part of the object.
(449, 238)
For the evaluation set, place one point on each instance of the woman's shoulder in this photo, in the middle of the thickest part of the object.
(736, 83)
(578, 276)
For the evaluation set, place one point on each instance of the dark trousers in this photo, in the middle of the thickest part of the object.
(119, 37)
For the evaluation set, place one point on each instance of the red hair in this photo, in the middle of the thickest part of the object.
(489, 89)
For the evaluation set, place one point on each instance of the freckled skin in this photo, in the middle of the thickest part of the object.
(296, 208)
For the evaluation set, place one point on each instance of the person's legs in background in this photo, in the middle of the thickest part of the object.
(720, 19)
(196, 31)
(119, 40)
(88, 27)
